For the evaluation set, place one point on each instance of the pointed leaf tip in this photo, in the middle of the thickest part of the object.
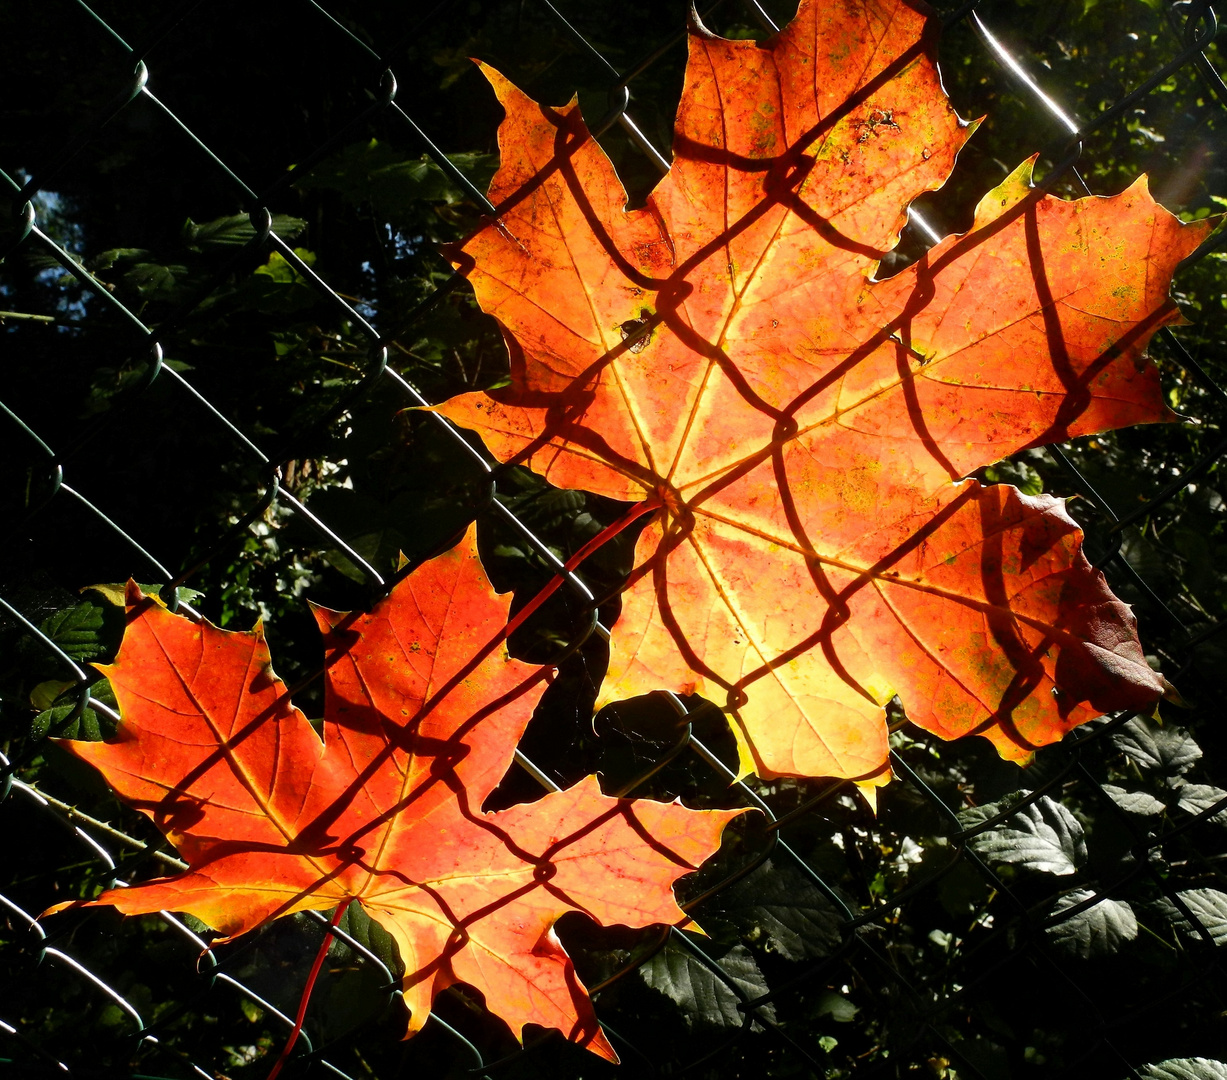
(694, 22)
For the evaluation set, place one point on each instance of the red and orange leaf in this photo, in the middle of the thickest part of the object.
(423, 712)
(727, 351)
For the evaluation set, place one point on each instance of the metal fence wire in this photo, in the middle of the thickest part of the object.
(151, 430)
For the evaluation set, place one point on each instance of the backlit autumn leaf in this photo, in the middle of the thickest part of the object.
(807, 429)
(423, 712)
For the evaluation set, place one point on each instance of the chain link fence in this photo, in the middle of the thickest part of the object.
(908, 943)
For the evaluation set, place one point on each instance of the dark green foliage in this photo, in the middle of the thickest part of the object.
(79, 631)
(777, 909)
(1167, 750)
(70, 720)
(707, 993)
(1195, 910)
(1043, 835)
(377, 176)
(1087, 925)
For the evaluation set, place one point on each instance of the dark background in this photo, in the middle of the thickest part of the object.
(897, 945)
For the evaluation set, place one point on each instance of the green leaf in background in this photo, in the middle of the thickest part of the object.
(1194, 1068)
(114, 592)
(106, 259)
(90, 726)
(85, 631)
(1018, 472)
(571, 517)
(1208, 907)
(779, 908)
(1168, 748)
(369, 934)
(987, 1058)
(837, 1007)
(149, 280)
(381, 175)
(358, 990)
(235, 231)
(1098, 930)
(706, 1000)
(1134, 802)
(46, 693)
(381, 530)
(1042, 836)
(277, 288)
(1195, 798)
(279, 269)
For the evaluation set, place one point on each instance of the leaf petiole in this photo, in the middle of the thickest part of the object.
(306, 991)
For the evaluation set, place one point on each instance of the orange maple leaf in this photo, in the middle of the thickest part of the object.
(423, 712)
(726, 351)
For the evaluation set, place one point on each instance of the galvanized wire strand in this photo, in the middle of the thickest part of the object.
(286, 1021)
(628, 125)
(73, 814)
(34, 1048)
(86, 974)
(100, 852)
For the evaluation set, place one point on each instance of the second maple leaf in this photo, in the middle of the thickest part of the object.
(806, 429)
(423, 711)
